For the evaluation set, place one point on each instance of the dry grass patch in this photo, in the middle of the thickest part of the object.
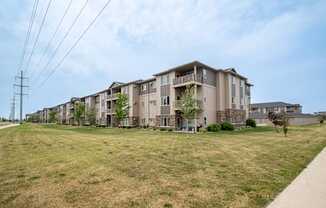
(61, 166)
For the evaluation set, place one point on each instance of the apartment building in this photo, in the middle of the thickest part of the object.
(259, 111)
(277, 107)
(222, 94)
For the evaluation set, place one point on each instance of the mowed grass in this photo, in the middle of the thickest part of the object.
(59, 166)
(4, 123)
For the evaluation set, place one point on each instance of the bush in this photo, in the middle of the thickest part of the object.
(321, 121)
(251, 122)
(202, 130)
(226, 126)
(213, 128)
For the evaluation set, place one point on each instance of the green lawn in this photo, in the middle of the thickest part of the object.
(58, 166)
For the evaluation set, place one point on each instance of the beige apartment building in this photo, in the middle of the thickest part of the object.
(222, 94)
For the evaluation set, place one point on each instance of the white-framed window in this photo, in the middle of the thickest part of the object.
(204, 74)
(144, 87)
(165, 100)
(165, 121)
(165, 80)
(233, 100)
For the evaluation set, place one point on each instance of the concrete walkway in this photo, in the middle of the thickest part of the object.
(308, 189)
(9, 125)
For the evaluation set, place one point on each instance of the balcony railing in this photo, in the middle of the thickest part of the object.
(111, 111)
(188, 78)
(178, 104)
(113, 96)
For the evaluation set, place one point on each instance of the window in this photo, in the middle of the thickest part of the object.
(165, 100)
(165, 121)
(165, 80)
(204, 74)
(144, 87)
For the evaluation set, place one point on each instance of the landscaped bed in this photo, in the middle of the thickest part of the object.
(61, 166)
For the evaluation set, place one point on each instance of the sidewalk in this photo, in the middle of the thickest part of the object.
(308, 189)
(9, 125)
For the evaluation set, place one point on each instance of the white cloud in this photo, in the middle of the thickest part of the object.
(173, 27)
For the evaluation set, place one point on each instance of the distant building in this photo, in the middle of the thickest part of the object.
(322, 113)
(260, 111)
(276, 107)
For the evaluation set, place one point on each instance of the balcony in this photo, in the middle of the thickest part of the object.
(178, 104)
(188, 79)
(111, 111)
(113, 96)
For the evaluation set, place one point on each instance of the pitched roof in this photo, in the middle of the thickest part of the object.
(188, 65)
(272, 104)
(200, 64)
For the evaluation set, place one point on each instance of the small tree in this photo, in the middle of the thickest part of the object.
(91, 116)
(79, 112)
(189, 106)
(280, 119)
(121, 108)
(285, 120)
(322, 119)
(53, 116)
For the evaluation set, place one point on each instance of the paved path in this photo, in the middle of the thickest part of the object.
(308, 189)
(9, 125)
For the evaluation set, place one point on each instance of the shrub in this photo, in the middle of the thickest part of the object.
(226, 126)
(251, 122)
(321, 121)
(213, 127)
(162, 129)
(203, 130)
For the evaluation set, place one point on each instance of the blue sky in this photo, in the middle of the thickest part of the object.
(279, 45)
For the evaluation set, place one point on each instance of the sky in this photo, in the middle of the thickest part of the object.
(280, 45)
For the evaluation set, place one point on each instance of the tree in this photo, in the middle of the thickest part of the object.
(189, 105)
(79, 112)
(279, 119)
(53, 116)
(34, 118)
(91, 116)
(121, 107)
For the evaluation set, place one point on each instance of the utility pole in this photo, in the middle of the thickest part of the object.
(21, 93)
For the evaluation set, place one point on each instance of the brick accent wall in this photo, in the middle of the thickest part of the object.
(172, 118)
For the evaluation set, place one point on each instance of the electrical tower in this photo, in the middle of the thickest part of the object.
(12, 115)
(20, 84)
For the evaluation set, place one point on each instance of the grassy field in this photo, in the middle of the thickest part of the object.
(4, 123)
(58, 166)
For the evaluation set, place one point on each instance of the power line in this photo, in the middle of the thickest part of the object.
(38, 34)
(53, 36)
(30, 26)
(62, 40)
(76, 43)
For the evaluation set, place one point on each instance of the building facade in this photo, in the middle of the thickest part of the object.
(221, 94)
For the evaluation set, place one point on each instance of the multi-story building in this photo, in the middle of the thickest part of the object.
(277, 107)
(260, 111)
(222, 94)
